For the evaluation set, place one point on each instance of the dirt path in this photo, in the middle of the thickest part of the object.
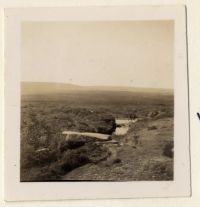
(137, 156)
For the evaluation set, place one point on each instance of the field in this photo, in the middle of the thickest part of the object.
(145, 152)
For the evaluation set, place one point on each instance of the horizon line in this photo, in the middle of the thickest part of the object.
(74, 84)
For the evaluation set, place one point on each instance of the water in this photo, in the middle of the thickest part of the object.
(123, 126)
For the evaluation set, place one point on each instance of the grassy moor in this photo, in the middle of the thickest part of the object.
(63, 130)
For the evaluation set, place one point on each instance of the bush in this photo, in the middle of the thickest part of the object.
(73, 159)
(75, 143)
(168, 149)
(152, 127)
(45, 173)
(117, 160)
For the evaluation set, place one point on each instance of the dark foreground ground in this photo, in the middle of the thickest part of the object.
(144, 153)
(148, 158)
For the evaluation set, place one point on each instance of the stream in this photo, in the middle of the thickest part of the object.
(122, 128)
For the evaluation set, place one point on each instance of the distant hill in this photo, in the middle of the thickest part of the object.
(32, 88)
(38, 88)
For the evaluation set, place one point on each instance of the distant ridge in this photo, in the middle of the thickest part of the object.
(37, 88)
(31, 88)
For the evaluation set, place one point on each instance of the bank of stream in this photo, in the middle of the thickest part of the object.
(122, 127)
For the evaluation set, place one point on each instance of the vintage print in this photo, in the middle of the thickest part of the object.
(97, 101)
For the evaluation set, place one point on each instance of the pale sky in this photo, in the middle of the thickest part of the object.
(134, 53)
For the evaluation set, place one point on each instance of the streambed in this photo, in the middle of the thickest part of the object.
(122, 128)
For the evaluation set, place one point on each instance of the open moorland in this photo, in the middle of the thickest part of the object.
(139, 149)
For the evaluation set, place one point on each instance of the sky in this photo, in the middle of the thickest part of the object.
(121, 53)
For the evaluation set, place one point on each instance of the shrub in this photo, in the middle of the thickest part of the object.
(152, 127)
(42, 174)
(75, 143)
(168, 149)
(117, 160)
(73, 159)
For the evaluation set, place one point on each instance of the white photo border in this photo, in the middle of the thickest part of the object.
(14, 189)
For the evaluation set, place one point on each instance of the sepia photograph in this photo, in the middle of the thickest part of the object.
(97, 101)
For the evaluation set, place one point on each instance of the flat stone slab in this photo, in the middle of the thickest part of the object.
(88, 134)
